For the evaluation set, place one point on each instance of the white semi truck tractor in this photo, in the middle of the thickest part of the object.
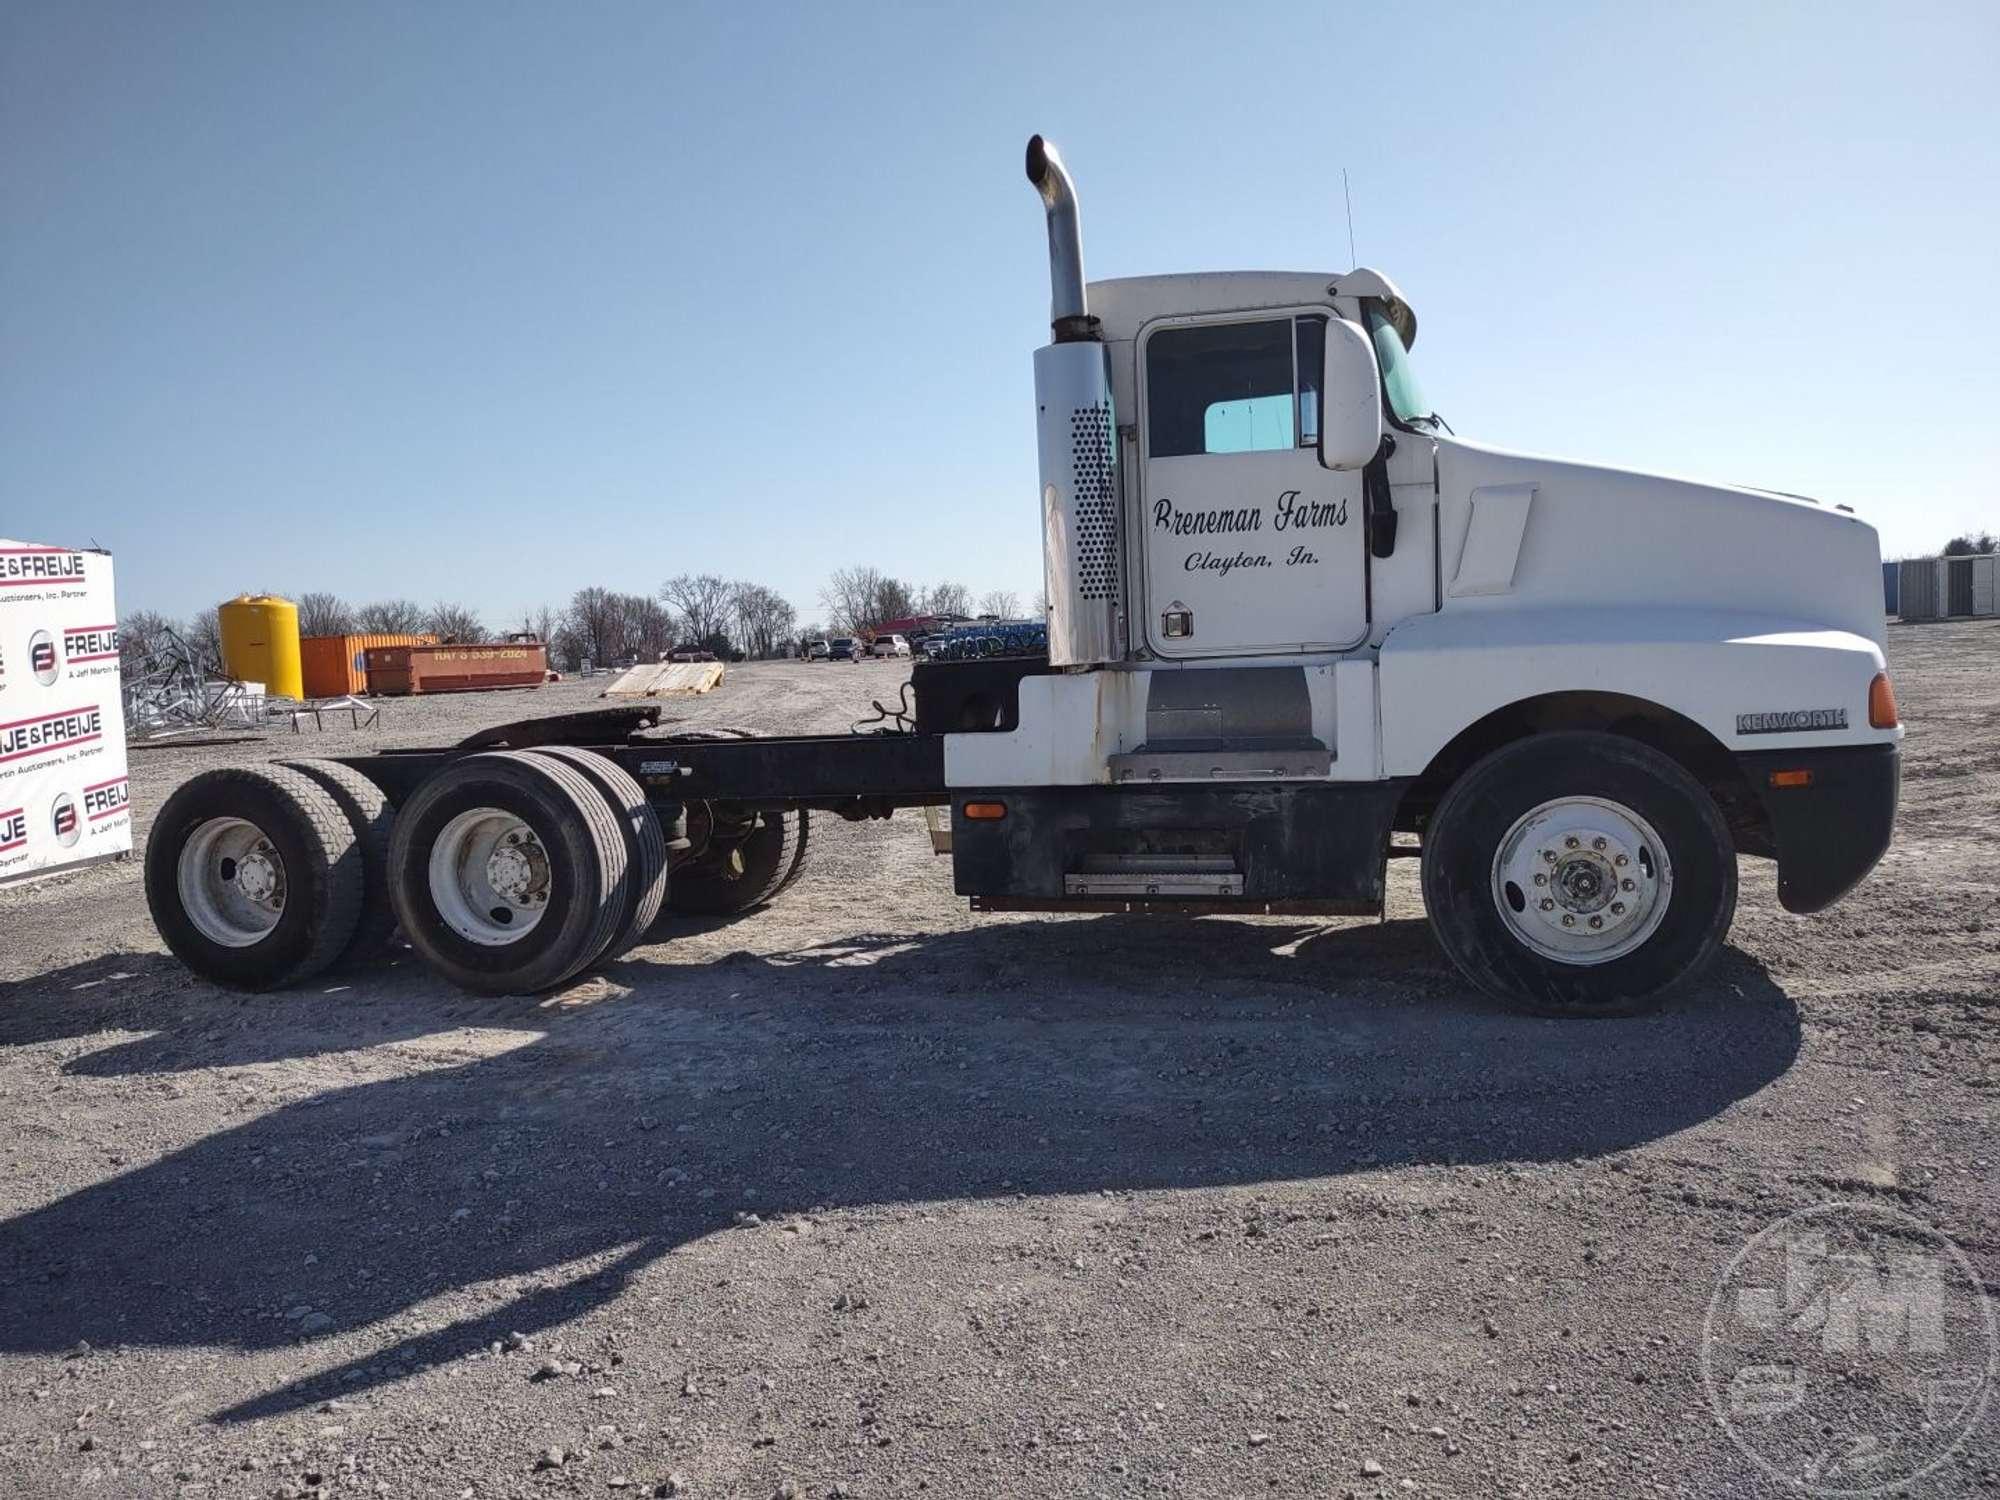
(1292, 617)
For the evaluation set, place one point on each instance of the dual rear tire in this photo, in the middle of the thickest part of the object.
(508, 871)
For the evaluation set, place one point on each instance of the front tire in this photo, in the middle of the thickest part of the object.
(1578, 874)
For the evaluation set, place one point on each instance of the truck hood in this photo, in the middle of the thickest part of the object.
(1598, 536)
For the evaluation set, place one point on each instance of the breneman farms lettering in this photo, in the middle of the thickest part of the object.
(47, 733)
(1291, 513)
(20, 566)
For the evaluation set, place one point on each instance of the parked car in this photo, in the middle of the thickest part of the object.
(891, 645)
(818, 651)
(847, 649)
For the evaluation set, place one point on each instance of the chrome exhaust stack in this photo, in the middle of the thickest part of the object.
(1083, 565)
(1069, 313)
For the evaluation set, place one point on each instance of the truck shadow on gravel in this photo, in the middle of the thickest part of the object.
(633, 1116)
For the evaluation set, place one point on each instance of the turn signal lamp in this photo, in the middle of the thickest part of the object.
(985, 812)
(1882, 703)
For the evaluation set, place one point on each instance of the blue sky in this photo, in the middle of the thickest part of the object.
(488, 302)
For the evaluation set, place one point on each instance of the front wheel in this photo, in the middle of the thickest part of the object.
(1578, 874)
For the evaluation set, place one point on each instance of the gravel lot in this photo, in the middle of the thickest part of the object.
(861, 1195)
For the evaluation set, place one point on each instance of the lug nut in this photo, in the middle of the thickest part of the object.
(1597, 843)
(1541, 880)
(1549, 856)
(1568, 920)
(1618, 908)
(1622, 861)
(1570, 842)
(1628, 885)
(1547, 904)
(1597, 921)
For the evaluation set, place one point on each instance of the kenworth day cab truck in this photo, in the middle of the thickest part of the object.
(1290, 615)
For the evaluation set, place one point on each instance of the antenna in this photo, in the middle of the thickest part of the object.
(1346, 198)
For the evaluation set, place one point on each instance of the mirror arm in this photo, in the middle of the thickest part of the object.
(1380, 508)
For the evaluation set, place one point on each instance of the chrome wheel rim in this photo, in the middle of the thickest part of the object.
(1582, 880)
(490, 877)
(232, 882)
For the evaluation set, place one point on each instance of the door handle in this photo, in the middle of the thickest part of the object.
(1379, 507)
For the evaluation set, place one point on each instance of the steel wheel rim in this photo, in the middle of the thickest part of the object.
(1582, 880)
(232, 882)
(490, 877)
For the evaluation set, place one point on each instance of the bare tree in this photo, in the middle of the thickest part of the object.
(765, 619)
(593, 627)
(702, 601)
(541, 623)
(203, 634)
(1003, 603)
(894, 600)
(390, 617)
(649, 629)
(140, 634)
(324, 614)
(454, 622)
(1041, 609)
(946, 599)
(849, 598)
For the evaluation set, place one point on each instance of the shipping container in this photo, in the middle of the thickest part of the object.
(1986, 585)
(1892, 573)
(260, 642)
(336, 666)
(400, 670)
(1918, 596)
(1958, 586)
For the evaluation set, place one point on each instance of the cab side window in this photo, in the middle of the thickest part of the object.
(1233, 387)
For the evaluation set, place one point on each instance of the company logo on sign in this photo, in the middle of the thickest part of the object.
(42, 658)
(106, 799)
(47, 733)
(83, 643)
(63, 821)
(13, 829)
(23, 567)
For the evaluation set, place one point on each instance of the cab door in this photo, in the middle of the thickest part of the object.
(1249, 546)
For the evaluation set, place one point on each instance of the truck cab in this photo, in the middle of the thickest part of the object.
(1292, 613)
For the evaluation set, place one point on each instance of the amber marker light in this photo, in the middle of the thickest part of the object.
(1882, 703)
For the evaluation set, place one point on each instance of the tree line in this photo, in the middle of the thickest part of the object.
(859, 599)
(734, 618)
(701, 611)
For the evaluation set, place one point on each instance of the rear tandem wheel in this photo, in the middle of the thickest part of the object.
(509, 873)
(254, 877)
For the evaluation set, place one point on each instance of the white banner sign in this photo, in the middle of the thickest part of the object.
(63, 790)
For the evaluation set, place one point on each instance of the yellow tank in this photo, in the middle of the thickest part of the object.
(260, 643)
